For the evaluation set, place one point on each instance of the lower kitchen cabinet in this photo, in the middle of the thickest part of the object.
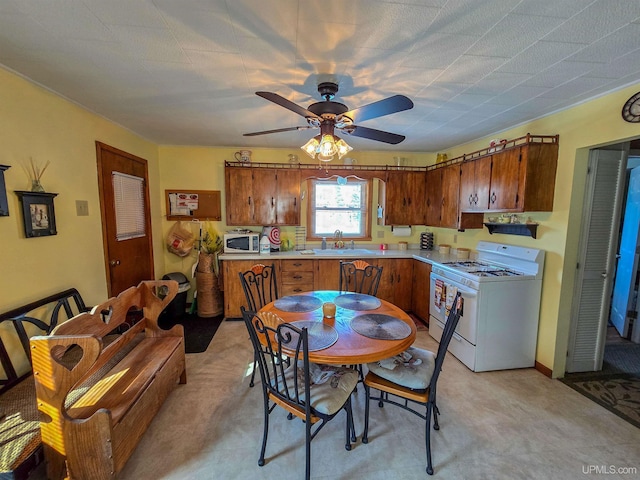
(295, 276)
(303, 275)
(327, 274)
(420, 291)
(396, 281)
(233, 293)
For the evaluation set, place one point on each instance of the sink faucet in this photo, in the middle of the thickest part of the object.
(337, 238)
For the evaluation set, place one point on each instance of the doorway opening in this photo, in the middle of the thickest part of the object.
(601, 260)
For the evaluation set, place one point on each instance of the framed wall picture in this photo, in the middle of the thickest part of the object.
(38, 213)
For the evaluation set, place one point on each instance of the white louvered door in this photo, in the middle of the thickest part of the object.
(596, 260)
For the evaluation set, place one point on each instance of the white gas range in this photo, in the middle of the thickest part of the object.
(501, 290)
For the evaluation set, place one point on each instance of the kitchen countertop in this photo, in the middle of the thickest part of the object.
(428, 256)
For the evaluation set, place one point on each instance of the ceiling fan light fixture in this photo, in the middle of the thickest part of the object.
(343, 147)
(327, 147)
(311, 147)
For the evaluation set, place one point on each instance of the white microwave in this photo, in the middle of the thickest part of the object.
(242, 242)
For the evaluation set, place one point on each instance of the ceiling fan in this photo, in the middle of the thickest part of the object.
(330, 116)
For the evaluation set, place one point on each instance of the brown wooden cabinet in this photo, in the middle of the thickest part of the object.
(262, 196)
(433, 200)
(523, 178)
(420, 297)
(443, 191)
(450, 196)
(239, 196)
(396, 281)
(327, 274)
(288, 197)
(295, 276)
(475, 177)
(233, 294)
(505, 169)
(403, 197)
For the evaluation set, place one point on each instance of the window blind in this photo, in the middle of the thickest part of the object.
(128, 193)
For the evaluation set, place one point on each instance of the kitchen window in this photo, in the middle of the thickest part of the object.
(339, 204)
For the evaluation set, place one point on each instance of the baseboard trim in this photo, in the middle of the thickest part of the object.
(544, 370)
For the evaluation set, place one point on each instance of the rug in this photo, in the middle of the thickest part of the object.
(617, 392)
(198, 331)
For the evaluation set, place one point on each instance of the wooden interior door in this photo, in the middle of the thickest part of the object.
(127, 262)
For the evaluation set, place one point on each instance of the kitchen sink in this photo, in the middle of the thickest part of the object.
(343, 251)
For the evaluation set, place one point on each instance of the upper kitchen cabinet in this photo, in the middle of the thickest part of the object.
(403, 196)
(262, 196)
(517, 176)
(475, 178)
(523, 177)
(433, 199)
(442, 198)
(238, 186)
(450, 196)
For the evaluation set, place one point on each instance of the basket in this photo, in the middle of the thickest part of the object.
(209, 296)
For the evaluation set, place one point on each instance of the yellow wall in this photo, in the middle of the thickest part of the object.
(36, 123)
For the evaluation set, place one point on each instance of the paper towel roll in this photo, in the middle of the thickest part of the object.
(401, 231)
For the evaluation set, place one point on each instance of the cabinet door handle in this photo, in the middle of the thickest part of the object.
(249, 200)
(295, 201)
(493, 197)
(297, 264)
(272, 202)
(475, 198)
(471, 199)
(297, 277)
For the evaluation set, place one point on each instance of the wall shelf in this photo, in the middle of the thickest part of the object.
(524, 229)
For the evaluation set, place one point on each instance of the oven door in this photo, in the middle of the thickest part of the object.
(443, 288)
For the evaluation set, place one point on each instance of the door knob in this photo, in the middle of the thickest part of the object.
(603, 274)
(114, 263)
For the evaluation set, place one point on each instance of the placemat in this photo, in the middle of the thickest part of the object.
(320, 335)
(298, 303)
(380, 326)
(357, 301)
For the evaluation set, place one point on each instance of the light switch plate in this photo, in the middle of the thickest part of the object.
(82, 208)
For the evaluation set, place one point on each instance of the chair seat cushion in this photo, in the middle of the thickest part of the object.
(415, 373)
(334, 387)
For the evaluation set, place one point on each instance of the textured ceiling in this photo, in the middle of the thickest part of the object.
(186, 72)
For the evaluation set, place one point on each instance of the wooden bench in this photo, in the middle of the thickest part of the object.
(20, 445)
(100, 381)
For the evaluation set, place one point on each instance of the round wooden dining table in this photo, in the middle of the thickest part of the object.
(351, 347)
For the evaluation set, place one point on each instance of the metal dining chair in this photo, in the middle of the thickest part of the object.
(359, 277)
(412, 381)
(260, 287)
(316, 399)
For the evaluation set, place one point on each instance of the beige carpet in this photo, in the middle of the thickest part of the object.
(495, 425)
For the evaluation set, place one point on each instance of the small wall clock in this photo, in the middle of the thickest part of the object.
(631, 109)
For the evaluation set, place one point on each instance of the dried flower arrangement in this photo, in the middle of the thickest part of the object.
(34, 171)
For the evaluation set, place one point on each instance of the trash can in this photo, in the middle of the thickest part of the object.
(178, 306)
